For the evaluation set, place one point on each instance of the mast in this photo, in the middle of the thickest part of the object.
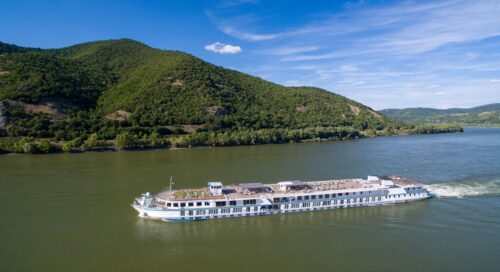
(170, 186)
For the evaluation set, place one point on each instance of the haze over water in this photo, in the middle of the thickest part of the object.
(70, 212)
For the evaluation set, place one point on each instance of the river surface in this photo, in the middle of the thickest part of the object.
(70, 212)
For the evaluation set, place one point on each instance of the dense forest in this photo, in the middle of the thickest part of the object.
(486, 115)
(122, 94)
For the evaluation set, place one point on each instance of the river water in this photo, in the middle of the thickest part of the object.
(70, 212)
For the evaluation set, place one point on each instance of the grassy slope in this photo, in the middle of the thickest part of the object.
(169, 86)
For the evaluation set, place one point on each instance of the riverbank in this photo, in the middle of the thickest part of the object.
(126, 141)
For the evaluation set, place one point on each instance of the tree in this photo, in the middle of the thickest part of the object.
(90, 143)
(68, 146)
(44, 146)
(124, 140)
(154, 139)
(29, 147)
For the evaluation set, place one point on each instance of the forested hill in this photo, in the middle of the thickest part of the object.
(482, 115)
(127, 93)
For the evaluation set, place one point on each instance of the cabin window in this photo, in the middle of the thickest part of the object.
(333, 195)
(299, 198)
(183, 213)
(169, 204)
(346, 193)
(207, 203)
(232, 203)
(249, 202)
(220, 203)
(248, 209)
(198, 203)
(176, 204)
(327, 196)
(190, 204)
(183, 204)
(320, 196)
(306, 197)
(313, 197)
(340, 194)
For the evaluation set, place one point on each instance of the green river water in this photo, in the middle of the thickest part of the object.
(70, 212)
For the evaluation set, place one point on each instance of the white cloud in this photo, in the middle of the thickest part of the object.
(248, 36)
(411, 53)
(222, 48)
(407, 28)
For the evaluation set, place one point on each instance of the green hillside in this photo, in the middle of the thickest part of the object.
(482, 115)
(126, 94)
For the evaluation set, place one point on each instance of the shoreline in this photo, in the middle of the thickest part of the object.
(114, 148)
(107, 149)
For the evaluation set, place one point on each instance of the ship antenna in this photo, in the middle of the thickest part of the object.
(170, 186)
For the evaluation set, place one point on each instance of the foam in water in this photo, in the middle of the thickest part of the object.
(465, 188)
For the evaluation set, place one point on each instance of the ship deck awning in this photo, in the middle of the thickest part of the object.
(292, 183)
(255, 187)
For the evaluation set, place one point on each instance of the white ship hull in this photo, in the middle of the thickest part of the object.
(375, 198)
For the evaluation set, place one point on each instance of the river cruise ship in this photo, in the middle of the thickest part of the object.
(251, 199)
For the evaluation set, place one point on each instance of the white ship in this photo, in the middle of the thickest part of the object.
(251, 199)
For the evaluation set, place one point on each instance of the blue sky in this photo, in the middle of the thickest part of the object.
(385, 54)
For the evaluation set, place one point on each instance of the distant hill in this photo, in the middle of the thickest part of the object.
(105, 89)
(482, 115)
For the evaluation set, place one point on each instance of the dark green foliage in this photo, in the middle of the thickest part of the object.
(164, 96)
(5, 48)
(265, 136)
(483, 115)
(40, 76)
(124, 140)
(433, 129)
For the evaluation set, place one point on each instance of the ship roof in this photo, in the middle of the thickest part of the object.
(292, 183)
(259, 190)
(256, 185)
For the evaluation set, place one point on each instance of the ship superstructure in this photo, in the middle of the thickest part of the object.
(251, 199)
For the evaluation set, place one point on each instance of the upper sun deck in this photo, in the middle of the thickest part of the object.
(285, 188)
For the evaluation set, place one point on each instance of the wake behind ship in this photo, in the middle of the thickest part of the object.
(251, 199)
